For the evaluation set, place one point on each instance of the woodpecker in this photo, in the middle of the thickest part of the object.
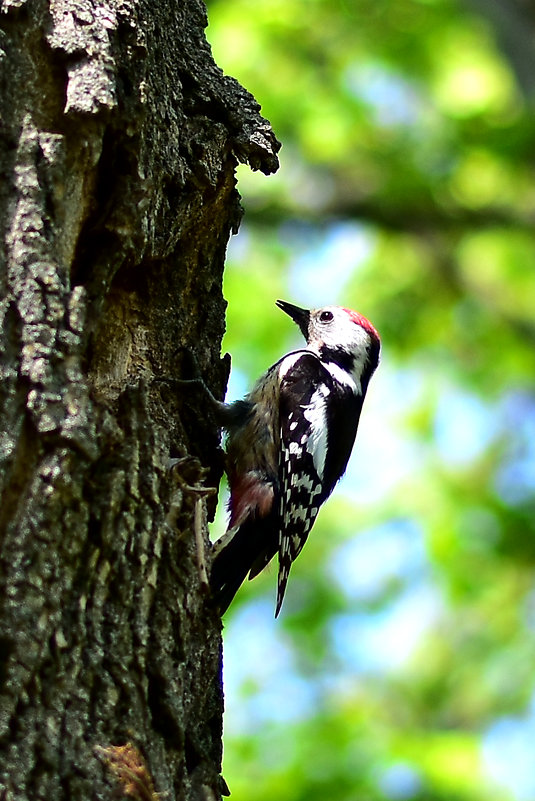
(289, 441)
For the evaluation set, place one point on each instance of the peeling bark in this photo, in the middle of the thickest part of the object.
(119, 137)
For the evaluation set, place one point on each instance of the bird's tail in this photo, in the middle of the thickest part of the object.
(240, 551)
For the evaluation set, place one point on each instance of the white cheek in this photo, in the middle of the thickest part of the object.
(346, 379)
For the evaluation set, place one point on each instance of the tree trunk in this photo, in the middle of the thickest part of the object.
(118, 142)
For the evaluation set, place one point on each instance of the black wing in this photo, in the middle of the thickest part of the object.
(318, 423)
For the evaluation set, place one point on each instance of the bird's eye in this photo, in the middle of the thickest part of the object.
(326, 316)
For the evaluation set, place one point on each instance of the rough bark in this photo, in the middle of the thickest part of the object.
(118, 142)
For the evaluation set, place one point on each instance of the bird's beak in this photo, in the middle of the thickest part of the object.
(299, 316)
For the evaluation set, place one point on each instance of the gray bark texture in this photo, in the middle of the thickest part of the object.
(119, 138)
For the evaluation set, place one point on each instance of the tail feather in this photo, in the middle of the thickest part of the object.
(252, 545)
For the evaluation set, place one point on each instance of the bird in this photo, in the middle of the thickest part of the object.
(289, 442)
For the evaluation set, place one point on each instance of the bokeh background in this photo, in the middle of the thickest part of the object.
(403, 663)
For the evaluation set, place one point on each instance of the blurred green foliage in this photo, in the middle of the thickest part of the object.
(403, 665)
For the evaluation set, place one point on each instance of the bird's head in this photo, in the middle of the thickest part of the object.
(338, 335)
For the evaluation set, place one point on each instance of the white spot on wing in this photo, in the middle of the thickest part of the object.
(289, 361)
(317, 440)
(299, 513)
(302, 481)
